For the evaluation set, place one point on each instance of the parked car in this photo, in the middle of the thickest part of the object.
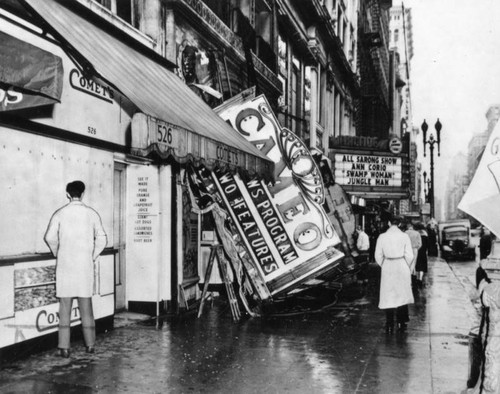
(455, 240)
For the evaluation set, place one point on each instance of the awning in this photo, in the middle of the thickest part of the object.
(157, 92)
(29, 76)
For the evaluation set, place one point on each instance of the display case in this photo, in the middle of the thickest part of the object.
(29, 308)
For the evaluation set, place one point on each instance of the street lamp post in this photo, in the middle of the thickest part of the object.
(431, 141)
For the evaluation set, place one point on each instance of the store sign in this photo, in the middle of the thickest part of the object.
(168, 139)
(35, 71)
(29, 75)
(90, 87)
(284, 225)
(368, 170)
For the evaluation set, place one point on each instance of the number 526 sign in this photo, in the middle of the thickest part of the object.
(167, 136)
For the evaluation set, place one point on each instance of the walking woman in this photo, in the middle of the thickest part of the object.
(421, 266)
(394, 254)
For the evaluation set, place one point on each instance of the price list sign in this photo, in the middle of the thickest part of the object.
(143, 204)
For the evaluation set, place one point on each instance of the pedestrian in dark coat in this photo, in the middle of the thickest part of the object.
(421, 265)
(432, 241)
(485, 244)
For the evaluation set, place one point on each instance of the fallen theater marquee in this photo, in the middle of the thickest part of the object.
(371, 173)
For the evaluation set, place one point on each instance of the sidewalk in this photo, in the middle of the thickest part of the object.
(451, 317)
(342, 350)
(432, 357)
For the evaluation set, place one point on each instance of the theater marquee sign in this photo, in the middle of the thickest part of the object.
(368, 170)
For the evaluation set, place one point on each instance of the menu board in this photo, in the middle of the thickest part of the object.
(143, 223)
(142, 231)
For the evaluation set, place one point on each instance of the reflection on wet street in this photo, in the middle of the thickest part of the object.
(343, 349)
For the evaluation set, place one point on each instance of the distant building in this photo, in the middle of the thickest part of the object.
(458, 181)
(479, 140)
(438, 209)
(401, 45)
(401, 39)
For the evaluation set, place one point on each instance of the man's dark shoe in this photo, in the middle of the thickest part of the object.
(63, 353)
(90, 349)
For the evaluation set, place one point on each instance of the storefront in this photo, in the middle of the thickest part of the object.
(56, 126)
(124, 124)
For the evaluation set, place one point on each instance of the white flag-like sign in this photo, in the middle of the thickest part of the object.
(482, 198)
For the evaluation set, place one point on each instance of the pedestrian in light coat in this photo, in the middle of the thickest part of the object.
(394, 254)
(416, 244)
(76, 237)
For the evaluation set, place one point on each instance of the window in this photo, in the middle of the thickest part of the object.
(321, 99)
(396, 35)
(283, 73)
(336, 114)
(294, 96)
(121, 8)
(124, 10)
(221, 8)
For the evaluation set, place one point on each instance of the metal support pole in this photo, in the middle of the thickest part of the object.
(431, 191)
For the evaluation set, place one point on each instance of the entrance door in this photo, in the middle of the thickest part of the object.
(119, 188)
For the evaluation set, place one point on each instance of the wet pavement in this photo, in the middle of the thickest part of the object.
(342, 349)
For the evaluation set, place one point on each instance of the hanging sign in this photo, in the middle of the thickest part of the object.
(284, 225)
(29, 75)
(368, 170)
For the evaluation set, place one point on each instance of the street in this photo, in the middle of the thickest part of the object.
(214, 181)
(340, 350)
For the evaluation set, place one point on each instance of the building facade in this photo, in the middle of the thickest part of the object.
(136, 92)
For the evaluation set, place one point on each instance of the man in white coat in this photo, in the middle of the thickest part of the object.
(76, 237)
(395, 255)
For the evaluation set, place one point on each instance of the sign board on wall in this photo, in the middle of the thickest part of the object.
(367, 170)
(142, 231)
(90, 107)
(35, 311)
